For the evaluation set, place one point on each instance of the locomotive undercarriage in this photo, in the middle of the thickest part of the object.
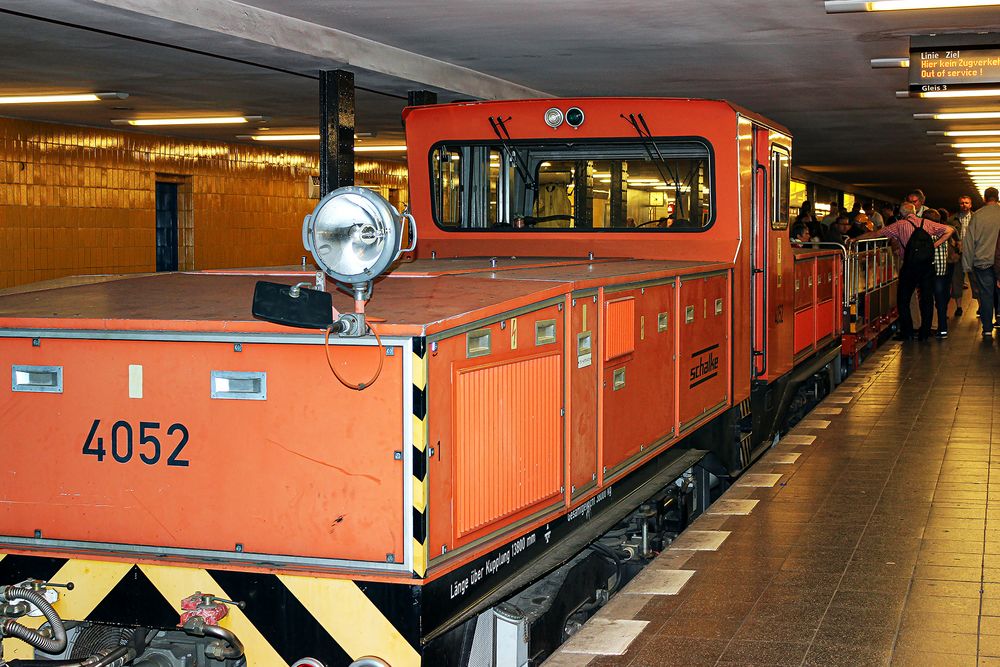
(526, 628)
(95, 644)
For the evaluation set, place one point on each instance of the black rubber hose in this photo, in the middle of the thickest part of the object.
(120, 656)
(54, 644)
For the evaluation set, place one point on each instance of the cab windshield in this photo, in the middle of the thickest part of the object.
(624, 185)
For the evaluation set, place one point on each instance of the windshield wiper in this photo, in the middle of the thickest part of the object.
(638, 123)
(500, 129)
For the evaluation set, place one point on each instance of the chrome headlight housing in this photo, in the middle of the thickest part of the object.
(354, 234)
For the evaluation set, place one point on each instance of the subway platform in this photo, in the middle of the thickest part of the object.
(869, 535)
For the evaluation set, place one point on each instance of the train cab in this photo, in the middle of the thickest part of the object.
(640, 180)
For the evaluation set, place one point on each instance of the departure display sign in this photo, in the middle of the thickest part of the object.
(940, 68)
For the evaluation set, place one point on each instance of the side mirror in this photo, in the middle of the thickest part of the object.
(292, 305)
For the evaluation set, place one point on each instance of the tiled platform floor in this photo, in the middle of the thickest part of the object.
(880, 543)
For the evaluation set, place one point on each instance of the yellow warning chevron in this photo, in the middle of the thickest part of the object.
(419, 372)
(93, 581)
(419, 557)
(352, 619)
(176, 583)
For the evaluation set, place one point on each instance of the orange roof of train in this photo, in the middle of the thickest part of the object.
(743, 111)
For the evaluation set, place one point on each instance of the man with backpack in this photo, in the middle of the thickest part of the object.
(915, 246)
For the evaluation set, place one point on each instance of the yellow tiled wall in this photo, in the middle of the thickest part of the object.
(77, 200)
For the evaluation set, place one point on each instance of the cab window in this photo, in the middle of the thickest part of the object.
(580, 186)
(781, 180)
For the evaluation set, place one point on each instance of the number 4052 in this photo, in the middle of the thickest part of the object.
(148, 447)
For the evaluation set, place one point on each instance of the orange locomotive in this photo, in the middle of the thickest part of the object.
(603, 298)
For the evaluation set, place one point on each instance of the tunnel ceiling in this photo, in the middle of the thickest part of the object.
(787, 59)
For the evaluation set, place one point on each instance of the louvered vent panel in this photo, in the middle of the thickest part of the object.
(619, 328)
(507, 439)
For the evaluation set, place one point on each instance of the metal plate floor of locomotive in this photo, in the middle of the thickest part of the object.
(869, 535)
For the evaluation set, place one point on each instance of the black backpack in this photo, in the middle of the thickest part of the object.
(919, 251)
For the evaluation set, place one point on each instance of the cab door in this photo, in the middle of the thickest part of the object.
(772, 261)
(781, 263)
(759, 253)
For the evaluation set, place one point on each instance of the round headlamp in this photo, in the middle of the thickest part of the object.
(354, 234)
(554, 117)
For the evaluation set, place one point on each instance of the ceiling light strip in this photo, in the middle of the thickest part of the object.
(843, 6)
(965, 133)
(886, 63)
(199, 120)
(279, 137)
(380, 149)
(60, 99)
(962, 115)
(980, 92)
(973, 144)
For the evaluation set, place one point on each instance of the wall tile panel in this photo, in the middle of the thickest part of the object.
(78, 200)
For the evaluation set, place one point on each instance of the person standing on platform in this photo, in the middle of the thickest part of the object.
(917, 198)
(801, 234)
(916, 250)
(942, 274)
(960, 221)
(839, 231)
(855, 211)
(808, 218)
(875, 216)
(888, 214)
(979, 255)
(829, 221)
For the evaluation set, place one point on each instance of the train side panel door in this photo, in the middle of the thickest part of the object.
(771, 258)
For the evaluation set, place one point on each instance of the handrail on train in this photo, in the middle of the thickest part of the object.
(851, 256)
(868, 251)
(832, 246)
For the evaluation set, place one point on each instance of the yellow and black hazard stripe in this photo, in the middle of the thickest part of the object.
(746, 435)
(419, 481)
(287, 617)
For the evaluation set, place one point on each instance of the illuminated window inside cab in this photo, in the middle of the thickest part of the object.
(798, 194)
(582, 186)
(781, 177)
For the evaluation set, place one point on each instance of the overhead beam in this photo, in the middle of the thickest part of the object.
(275, 30)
